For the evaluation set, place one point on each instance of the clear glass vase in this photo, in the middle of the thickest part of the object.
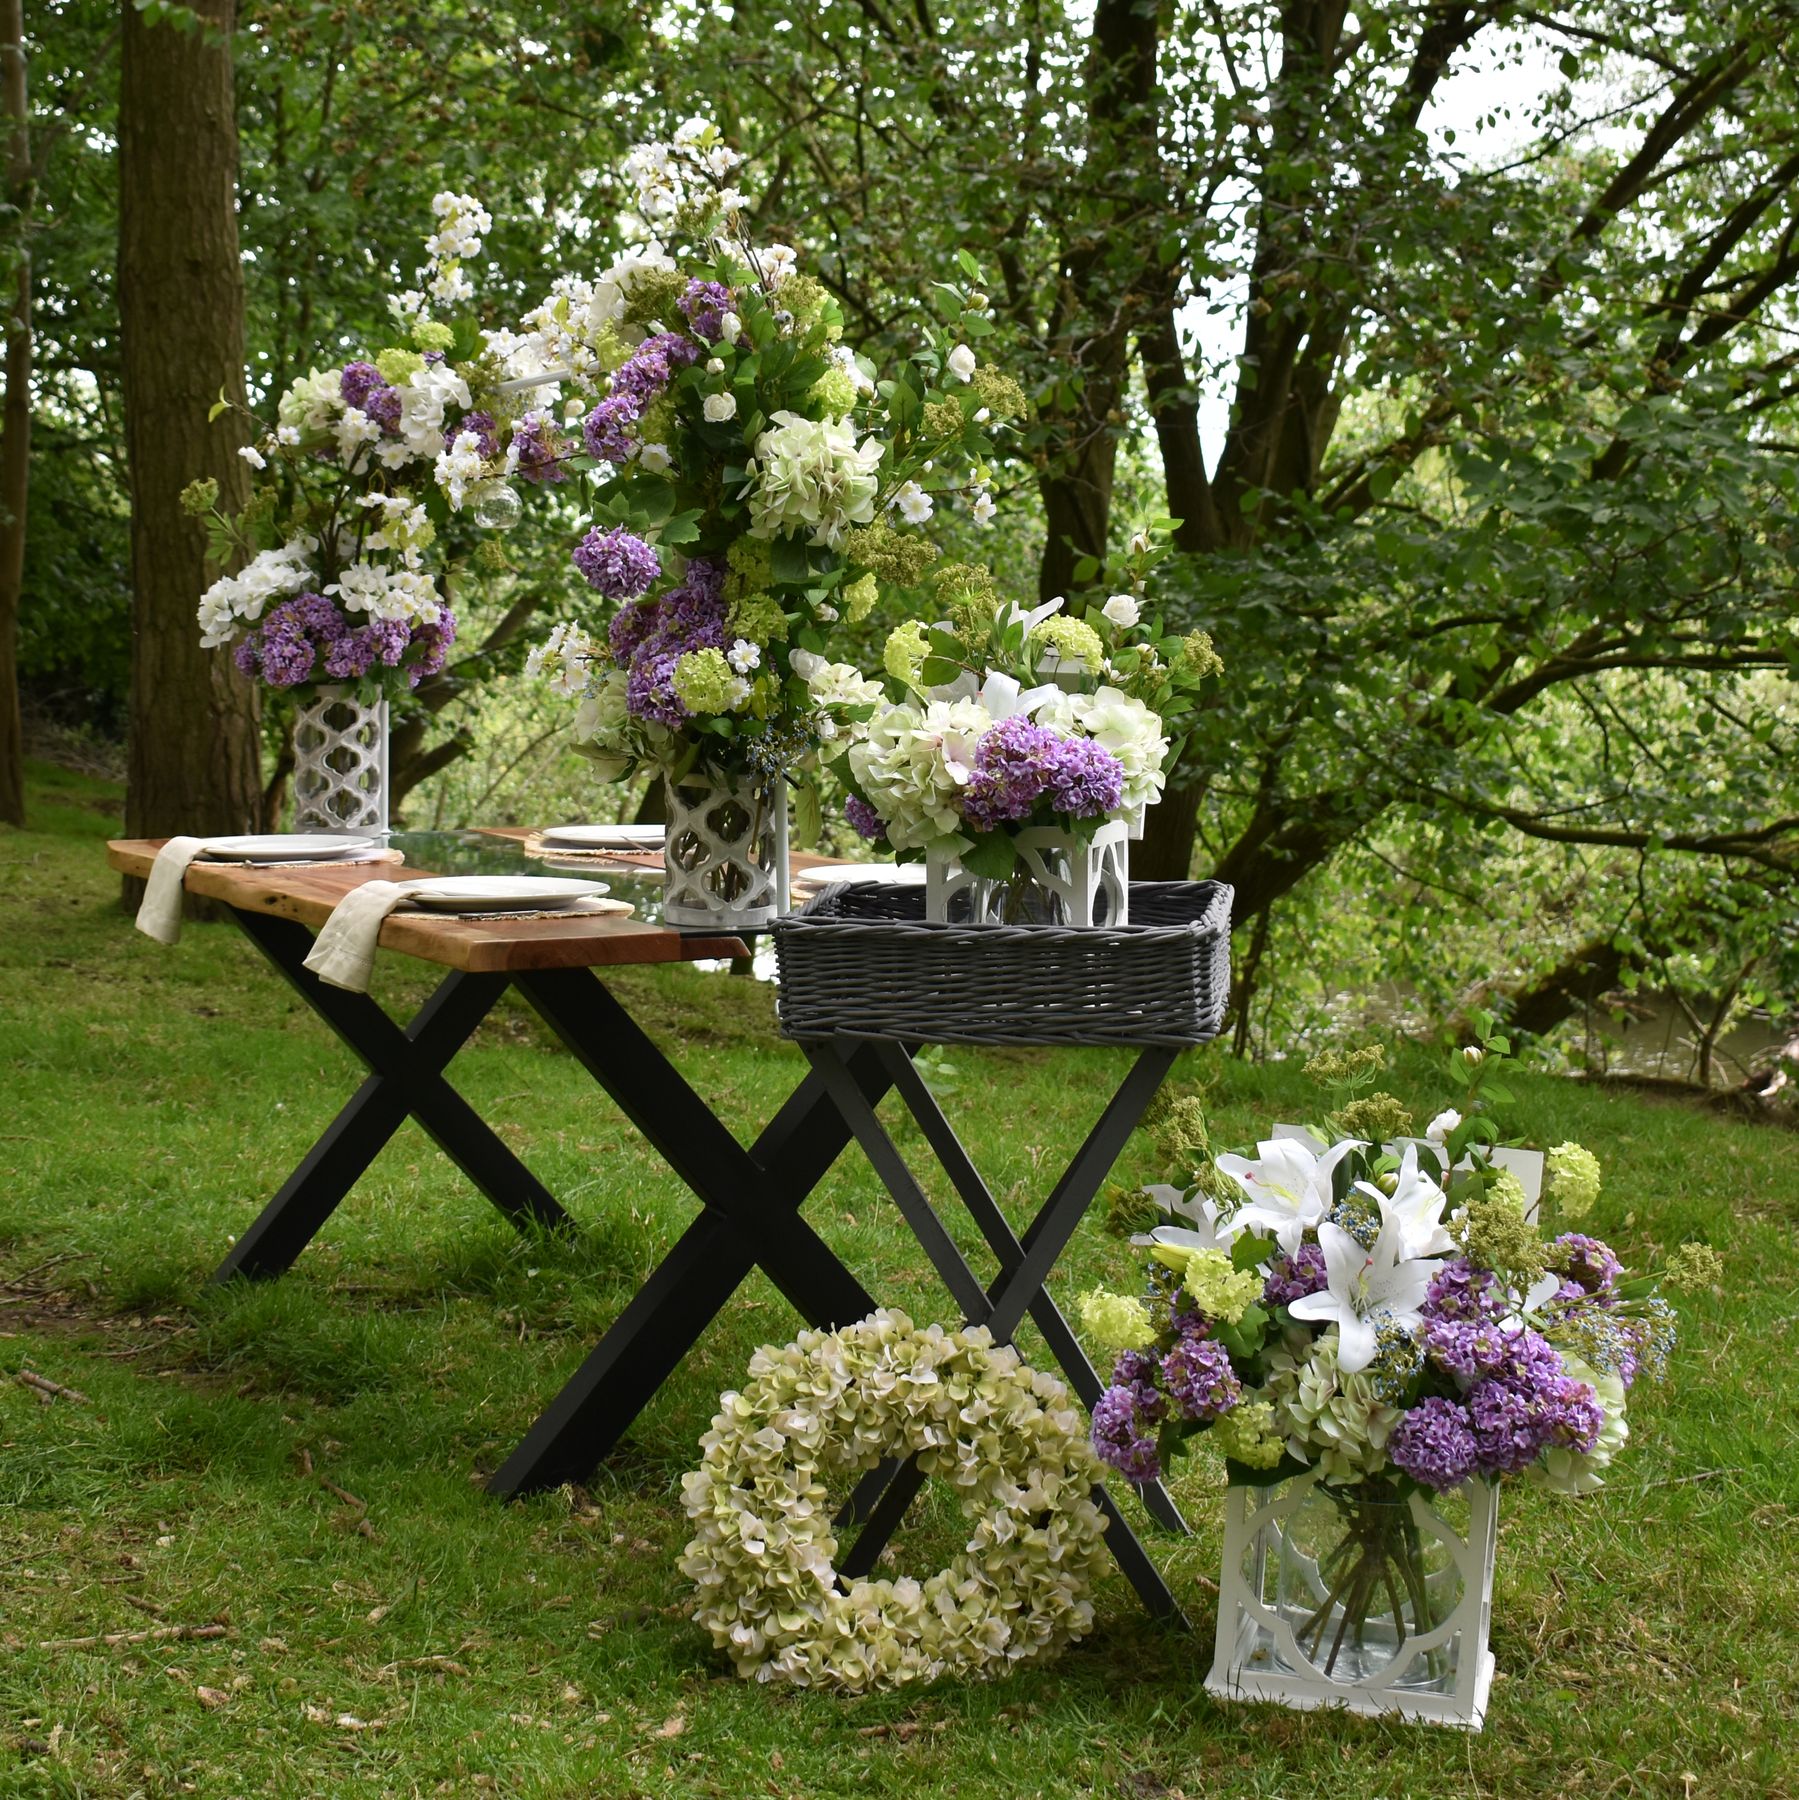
(1358, 1596)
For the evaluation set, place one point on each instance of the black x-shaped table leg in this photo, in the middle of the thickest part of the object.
(1025, 1265)
(405, 1079)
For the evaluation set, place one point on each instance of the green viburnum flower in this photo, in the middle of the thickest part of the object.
(757, 617)
(1376, 1117)
(859, 598)
(998, 392)
(752, 565)
(903, 658)
(704, 681)
(1198, 657)
(833, 393)
(1073, 640)
(200, 496)
(397, 367)
(1217, 1289)
(431, 334)
(1247, 1434)
(1573, 1179)
(1494, 1234)
(1116, 1321)
(897, 557)
(1506, 1187)
(1693, 1266)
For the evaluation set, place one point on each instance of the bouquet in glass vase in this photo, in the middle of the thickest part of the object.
(1017, 747)
(1376, 1330)
(754, 487)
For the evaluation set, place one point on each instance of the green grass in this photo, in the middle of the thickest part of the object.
(153, 1098)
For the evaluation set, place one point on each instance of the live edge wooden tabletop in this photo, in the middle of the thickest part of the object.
(482, 946)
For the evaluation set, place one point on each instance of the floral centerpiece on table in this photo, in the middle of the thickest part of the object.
(755, 483)
(1386, 1312)
(364, 464)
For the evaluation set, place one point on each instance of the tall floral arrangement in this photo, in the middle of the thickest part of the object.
(1385, 1311)
(338, 580)
(756, 482)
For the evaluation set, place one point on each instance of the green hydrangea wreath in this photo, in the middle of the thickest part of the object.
(826, 1409)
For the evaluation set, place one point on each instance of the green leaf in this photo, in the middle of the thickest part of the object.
(1248, 1251)
(788, 560)
(993, 856)
(939, 671)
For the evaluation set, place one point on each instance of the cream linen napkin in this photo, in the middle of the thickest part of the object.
(159, 914)
(344, 953)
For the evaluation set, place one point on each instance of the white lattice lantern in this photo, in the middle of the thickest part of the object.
(1061, 879)
(725, 858)
(1285, 1634)
(340, 764)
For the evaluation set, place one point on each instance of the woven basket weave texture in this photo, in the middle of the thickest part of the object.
(860, 959)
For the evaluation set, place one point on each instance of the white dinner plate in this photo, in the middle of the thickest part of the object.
(606, 837)
(502, 893)
(891, 874)
(288, 846)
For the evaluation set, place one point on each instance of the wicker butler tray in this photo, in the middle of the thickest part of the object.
(860, 959)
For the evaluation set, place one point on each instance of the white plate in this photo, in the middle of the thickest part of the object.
(891, 874)
(501, 893)
(288, 846)
(606, 837)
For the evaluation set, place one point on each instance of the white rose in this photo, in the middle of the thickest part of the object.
(719, 408)
(1442, 1125)
(960, 362)
(1122, 610)
(655, 458)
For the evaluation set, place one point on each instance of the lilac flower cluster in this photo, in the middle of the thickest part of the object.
(537, 447)
(616, 563)
(648, 637)
(704, 305)
(362, 387)
(483, 429)
(309, 638)
(862, 817)
(639, 381)
(1459, 1290)
(1121, 1413)
(1291, 1278)
(1019, 764)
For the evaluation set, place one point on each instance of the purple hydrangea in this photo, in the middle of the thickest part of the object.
(650, 690)
(1588, 1261)
(1468, 1349)
(358, 381)
(537, 449)
(1291, 1278)
(630, 626)
(309, 638)
(1434, 1444)
(1200, 1379)
(384, 408)
(1459, 1290)
(704, 305)
(1117, 1440)
(1019, 763)
(618, 564)
(606, 431)
(863, 817)
(433, 642)
(648, 370)
(649, 637)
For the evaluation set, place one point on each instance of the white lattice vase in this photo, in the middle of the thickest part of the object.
(340, 764)
(725, 858)
(1374, 1607)
(1061, 879)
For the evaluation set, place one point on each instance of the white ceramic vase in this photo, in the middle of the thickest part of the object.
(725, 857)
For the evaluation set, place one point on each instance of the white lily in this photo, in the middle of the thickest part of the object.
(1002, 696)
(1288, 1185)
(1364, 1286)
(1206, 1232)
(1017, 615)
(1416, 1204)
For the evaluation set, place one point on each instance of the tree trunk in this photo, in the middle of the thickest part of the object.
(15, 423)
(194, 749)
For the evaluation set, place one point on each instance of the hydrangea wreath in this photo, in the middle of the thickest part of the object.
(826, 1409)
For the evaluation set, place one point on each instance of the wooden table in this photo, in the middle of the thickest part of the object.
(750, 1199)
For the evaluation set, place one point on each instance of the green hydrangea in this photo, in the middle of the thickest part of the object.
(899, 558)
(1198, 658)
(903, 658)
(397, 367)
(834, 392)
(859, 598)
(704, 681)
(1073, 640)
(757, 617)
(1116, 1321)
(431, 334)
(1573, 1178)
(1378, 1118)
(998, 392)
(1247, 1434)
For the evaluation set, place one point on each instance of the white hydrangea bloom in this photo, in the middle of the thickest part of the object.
(813, 476)
(423, 401)
(459, 467)
(241, 598)
(312, 401)
(913, 765)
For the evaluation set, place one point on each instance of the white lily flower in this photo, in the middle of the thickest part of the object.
(1366, 1286)
(1416, 1205)
(1288, 1185)
(1206, 1231)
(1016, 615)
(1002, 696)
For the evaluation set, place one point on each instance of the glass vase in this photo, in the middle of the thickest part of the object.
(1060, 879)
(1358, 1596)
(340, 763)
(725, 856)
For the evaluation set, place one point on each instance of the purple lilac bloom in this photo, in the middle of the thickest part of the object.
(1587, 1261)
(862, 817)
(1434, 1444)
(1459, 1290)
(606, 431)
(1291, 1278)
(486, 433)
(1118, 1442)
(433, 357)
(435, 640)
(537, 447)
(1508, 1431)
(650, 690)
(705, 304)
(1018, 763)
(358, 381)
(617, 563)
(1200, 1379)
(630, 626)
(383, 406)
(1468, 1349)
(649, 368)
(1086, 781)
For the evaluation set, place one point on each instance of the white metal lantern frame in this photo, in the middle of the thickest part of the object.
(1077, 881)
(725, 855)
(341, 775)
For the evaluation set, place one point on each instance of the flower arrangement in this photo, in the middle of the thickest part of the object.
(827, 1408)
(1001, 719)
(1386, 1314)
(755, 483)
(363, 466)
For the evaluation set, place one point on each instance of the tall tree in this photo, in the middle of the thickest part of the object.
(15, 420)
(193, 738)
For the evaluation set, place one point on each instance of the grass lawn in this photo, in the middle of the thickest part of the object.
(421, 1638)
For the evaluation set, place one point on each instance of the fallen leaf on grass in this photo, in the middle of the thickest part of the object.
(323, 1715)
(210, 1697)
(671, 1727)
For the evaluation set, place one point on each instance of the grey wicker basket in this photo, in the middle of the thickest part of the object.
(860, 959)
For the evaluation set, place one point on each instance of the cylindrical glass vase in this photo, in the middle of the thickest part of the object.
(340, 764)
